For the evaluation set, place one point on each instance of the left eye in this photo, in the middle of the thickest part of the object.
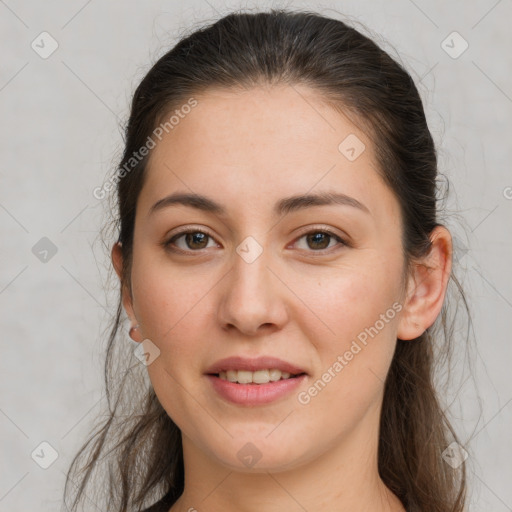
(319, 240)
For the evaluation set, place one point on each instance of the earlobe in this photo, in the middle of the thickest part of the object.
(427, 289)
(134, 333)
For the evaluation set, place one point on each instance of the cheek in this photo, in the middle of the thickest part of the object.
(172, 309)
(348, 299)
(352, 362)
(165, 299)
(175, 310)
(355, 317)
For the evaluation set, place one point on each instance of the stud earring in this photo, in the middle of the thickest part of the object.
(132, 330)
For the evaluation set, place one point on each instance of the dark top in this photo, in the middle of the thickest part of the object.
(163, 505)
(158, 507)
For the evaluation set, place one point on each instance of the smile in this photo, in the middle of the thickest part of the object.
(257, 377)
(251, 393)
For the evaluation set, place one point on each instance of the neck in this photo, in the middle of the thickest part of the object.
(344, 478)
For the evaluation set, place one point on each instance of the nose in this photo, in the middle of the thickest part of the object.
(253, 298)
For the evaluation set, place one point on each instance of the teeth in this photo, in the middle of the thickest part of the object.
(257, 377)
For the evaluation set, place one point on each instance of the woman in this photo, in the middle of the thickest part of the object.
(282, 268)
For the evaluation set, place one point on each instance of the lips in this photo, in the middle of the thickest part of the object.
(253, 364)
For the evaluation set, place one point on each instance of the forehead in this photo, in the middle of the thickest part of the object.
(252, 147)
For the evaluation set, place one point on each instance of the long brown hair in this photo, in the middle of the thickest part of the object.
(138, 441)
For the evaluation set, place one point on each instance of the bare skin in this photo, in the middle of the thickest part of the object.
(299, 300)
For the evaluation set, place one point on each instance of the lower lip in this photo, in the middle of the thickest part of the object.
(255, 394)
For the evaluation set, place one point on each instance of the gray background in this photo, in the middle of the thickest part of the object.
(60, 136)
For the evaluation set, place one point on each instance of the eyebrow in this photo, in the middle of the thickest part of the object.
(283, 206)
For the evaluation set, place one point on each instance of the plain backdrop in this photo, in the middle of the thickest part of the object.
(61, 120)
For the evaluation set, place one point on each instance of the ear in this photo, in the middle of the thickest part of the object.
(427, 287)
(117, 261)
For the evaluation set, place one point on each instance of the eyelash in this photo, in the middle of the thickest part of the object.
(168, 245)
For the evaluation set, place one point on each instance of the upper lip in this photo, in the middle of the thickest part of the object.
(253, 364)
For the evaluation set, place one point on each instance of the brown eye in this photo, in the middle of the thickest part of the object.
(320, 240)
(196, 240)
(193, 240)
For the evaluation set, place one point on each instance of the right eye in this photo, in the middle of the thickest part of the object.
(194, 240)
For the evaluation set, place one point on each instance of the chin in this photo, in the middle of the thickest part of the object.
(260, 456)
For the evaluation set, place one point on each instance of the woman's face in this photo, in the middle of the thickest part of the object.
(266, 280)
